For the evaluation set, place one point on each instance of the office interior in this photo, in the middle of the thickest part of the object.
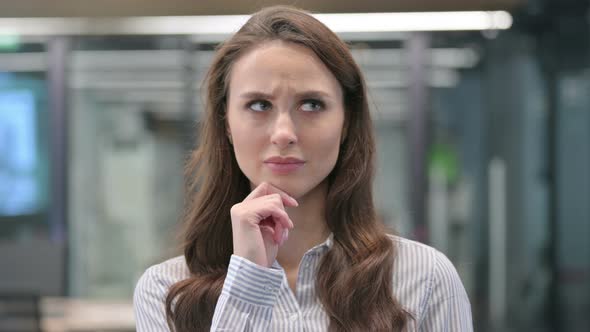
(483, 137)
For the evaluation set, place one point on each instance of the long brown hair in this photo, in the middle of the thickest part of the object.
(354, 280)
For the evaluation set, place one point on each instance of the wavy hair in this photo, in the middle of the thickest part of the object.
(354, 280)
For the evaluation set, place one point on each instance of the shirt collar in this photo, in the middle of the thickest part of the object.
(320, 248)
(324, 246)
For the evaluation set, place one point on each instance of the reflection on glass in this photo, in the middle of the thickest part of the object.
(19, 188)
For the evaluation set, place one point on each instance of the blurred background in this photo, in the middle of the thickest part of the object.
(483, 127)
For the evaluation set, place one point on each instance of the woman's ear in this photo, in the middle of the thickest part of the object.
(228, 133)
(344, 131)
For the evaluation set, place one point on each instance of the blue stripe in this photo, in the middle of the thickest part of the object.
(425, 282)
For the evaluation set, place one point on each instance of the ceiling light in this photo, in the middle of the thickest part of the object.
(227, 24)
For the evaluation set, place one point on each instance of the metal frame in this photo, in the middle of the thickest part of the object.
(57, 52)
(417, 47)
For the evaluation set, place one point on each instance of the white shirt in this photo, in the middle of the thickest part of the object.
(256, 298)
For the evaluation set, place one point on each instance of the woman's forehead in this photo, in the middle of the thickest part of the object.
(281, 64)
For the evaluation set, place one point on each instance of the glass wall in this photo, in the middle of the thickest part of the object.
(29, 236)
(130, 125)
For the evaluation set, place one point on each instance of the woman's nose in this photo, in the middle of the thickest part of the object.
(283, 131)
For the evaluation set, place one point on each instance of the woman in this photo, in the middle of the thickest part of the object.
(282, 233)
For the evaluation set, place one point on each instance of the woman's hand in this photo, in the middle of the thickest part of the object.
(260, 224)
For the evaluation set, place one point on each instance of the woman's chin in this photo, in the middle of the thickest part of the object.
(289, 187)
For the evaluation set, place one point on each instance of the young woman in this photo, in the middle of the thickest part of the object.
(282, 233)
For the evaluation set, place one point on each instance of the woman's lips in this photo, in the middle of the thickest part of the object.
(281, 165)
(284, 168)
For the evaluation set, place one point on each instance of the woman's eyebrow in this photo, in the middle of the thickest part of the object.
(313, 94)
(255, 95)
(298, 95)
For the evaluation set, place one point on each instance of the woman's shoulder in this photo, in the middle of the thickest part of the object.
(423, 275)
(159, 277)
(151, 290)
(419, 256)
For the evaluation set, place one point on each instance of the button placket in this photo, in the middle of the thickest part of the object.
(294, 316)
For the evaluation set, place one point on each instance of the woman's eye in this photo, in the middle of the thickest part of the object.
(259, 106)
(312, 105)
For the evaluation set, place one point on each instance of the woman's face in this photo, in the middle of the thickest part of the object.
(285, 116)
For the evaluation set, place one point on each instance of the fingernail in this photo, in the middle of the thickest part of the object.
(285, 235)
(294, 201)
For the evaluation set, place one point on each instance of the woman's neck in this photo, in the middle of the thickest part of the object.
(310, 229)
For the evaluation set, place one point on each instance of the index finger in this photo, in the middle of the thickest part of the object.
(266, 188)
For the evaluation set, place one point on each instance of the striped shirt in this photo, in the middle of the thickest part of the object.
(256, 298)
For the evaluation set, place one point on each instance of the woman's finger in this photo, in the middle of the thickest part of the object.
(280, 216)
(278, 236)
(266, 188)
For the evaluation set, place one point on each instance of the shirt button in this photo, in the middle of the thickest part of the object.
(268, 288)
(294, 317)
